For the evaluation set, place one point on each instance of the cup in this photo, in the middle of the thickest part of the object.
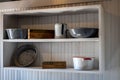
(60, 30)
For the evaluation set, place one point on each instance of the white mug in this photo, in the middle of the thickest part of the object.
(60, 30)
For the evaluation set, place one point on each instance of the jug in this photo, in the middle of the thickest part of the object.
(60, 30)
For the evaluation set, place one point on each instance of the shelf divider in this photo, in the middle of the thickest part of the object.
(52, 40)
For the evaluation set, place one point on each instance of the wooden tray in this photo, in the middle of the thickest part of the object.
(54, 64)
(40, 34)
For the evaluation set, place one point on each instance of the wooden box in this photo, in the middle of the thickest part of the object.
(54, 64)
(40, 34)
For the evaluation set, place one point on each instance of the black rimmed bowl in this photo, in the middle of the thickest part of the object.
(25, 56)
(83, 32)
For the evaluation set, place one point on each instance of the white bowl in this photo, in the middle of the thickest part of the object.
(83, 63)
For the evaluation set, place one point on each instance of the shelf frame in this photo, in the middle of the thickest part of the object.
(63, 10)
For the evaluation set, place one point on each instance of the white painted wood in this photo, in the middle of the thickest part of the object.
(26, 74)
(88, 8)
(13, 76)
(102, 39)
(1, 43)
(75, 20)
(53, 40)
(67, 70)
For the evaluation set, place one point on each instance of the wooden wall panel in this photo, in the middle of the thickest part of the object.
(66, 51)
(8, 50)
(11, 21)
(15, 75)
(112, 56)
(36, 75)
(48, 22)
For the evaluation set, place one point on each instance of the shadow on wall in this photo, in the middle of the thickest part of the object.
(7, 0)
(112, 56)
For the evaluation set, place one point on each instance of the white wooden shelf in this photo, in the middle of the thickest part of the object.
(52, 40)
(71, 70)
(89, 8)
(55, 49)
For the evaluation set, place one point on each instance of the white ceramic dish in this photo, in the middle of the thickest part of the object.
(83, 63)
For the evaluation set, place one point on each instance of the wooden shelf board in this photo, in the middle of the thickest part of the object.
(51, 40)
(53, 70)
(89, 8)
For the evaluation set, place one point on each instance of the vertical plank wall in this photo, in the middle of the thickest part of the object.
(112, 48)
(112, 55)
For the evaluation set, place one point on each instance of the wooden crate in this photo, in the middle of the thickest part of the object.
(54, 64)
(40, 34)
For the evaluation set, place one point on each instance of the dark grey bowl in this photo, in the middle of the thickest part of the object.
(83, 32)
(17, 33)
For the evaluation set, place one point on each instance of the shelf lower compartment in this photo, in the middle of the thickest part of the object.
(71, 70)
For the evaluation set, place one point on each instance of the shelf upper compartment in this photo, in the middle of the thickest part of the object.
(89, 8)
(51, 40)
